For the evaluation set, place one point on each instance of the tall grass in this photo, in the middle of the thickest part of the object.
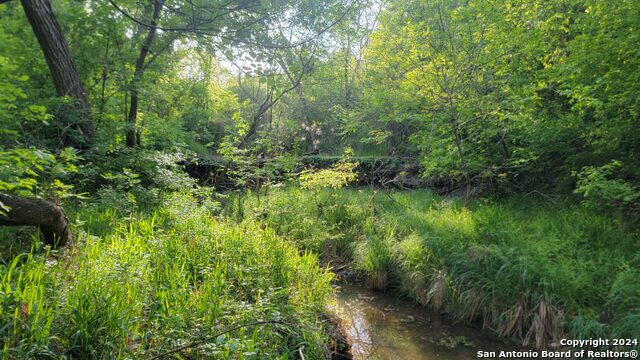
(139, 285)
(522, 268)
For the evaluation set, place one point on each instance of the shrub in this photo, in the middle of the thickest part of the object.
(599, 187)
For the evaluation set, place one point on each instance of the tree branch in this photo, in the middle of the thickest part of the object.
(216, 32)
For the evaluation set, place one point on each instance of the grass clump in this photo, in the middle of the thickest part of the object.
(522, 268)
(373, 255)
(160, 279)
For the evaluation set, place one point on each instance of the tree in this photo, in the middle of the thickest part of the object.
(61, 66)
(133, 136)
(285, 61)
(436, 56)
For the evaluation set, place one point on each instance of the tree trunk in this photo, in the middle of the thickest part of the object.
(132, 133)
(457, 136)
(61, 65)
(47, 215)
(463, 159)
(347, 86)
(262, 110)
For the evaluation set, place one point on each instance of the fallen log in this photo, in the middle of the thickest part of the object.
(47, 215)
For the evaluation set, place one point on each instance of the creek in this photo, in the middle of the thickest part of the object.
(380, 325)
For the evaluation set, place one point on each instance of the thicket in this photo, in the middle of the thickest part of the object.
(489, 95)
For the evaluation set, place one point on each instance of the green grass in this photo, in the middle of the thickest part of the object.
(139, 285)
(522, 268)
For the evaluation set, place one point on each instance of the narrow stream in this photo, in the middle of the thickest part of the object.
(381, 326)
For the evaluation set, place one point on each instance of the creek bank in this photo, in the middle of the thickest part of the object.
(527, 270)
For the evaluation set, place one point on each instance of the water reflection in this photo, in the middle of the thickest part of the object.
(380, 326)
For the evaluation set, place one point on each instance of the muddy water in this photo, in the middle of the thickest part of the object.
(381, 326)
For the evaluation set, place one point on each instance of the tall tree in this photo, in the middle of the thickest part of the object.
(437, 55)
(133, 136)
(62, 67)
(246, 25)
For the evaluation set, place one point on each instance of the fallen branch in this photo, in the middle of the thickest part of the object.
(46, 215)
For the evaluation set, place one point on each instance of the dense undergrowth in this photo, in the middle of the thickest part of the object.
(535, 270)
(142, 284)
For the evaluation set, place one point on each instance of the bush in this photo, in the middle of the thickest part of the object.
(138, 178)
(600, 188)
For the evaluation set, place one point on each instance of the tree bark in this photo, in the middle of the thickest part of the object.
(44, 214)
(61, 65)
(133, 136)
(457, 136)
(463, 159)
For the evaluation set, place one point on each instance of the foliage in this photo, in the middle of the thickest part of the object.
(512, 95)
(134, 179)
(32, 171)
(164, 278)
(28, 170)
(522, 92)
(524, 98)
(599, 189)
(338, 175)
